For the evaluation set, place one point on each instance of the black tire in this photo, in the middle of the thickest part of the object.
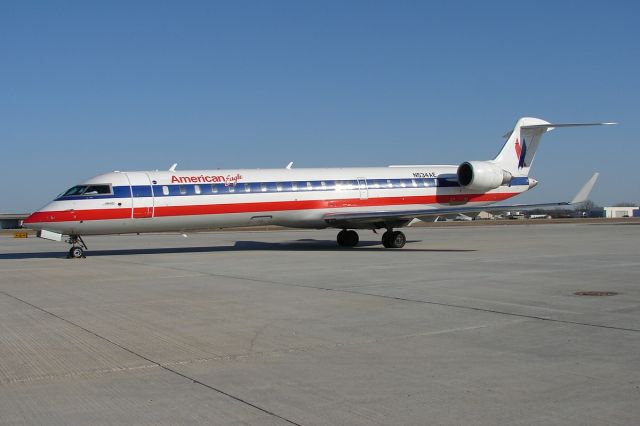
(352, 238)
(397, 240)
(341, 238)
(348, 238)
(76, 252)
(386, 237)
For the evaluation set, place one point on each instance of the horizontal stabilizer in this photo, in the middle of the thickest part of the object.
(551, 126)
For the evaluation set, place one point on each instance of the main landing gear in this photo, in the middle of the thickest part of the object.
(393, 239)
(77, 247)
(390, 239)
(348, 238)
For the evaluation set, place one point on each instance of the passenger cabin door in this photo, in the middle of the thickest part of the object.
(142, 201)
(363, 188)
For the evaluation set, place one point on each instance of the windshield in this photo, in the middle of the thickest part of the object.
(98, 190)
(104, 189)
(76, 190)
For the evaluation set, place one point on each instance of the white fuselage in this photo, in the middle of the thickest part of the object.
(200, 199)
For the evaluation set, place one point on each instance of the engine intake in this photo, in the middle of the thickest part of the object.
(482, 176)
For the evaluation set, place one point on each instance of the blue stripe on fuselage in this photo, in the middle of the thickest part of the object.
(141, 191)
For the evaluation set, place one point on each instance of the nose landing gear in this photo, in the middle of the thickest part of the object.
(78, 247)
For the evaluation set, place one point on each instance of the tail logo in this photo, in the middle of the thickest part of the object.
(521, 152)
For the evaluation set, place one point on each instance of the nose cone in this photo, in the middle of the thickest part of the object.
(32, 221)
(532, 183)
(37, 220)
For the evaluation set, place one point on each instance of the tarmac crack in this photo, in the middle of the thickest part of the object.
(402, 299)
(155, 363)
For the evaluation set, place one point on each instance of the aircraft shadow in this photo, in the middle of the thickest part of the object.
(299, 245)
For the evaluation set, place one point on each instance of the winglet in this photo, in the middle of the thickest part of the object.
(584, 192)
(173, 167)
(289, 165)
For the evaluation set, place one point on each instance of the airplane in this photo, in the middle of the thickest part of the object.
(348, 199)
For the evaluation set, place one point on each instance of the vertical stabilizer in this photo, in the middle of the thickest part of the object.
(518, 152)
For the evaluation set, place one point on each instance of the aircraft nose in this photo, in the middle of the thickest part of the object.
(30, 220)
(35, 220)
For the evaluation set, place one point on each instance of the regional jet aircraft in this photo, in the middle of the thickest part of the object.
(344, 198)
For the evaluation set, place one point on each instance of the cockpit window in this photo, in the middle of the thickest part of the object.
(76, 190)
(97, 190)
(88, 190)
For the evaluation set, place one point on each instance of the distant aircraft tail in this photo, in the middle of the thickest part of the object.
(518, 152)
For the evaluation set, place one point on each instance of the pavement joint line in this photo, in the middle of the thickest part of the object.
(402, 299)
(164, 367)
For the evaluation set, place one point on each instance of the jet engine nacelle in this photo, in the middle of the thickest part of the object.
(482, 175)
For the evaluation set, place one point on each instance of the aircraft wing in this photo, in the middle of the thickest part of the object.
(362, 219)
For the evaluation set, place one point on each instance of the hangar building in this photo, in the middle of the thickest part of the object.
(612, 212)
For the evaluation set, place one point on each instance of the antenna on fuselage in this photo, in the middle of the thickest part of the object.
(289, 165)
(173, 167)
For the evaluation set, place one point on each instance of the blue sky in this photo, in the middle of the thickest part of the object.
(90, 87)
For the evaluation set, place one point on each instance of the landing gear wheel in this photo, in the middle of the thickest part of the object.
(348, 238)
(394, 239)
(76, 252)
(385, 239)
(77, 247)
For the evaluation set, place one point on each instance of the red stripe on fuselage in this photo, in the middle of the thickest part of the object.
(205, 209)
(78, 215)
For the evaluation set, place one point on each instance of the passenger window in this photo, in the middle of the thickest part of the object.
(344, 185)
(414, 183)
(247, 187)
(196, 188)
(425, 182)
(278, 186)
(165, 190)
(402, 184)
(231, 188)
(323, 184)
(389, 183)
(263, 187)
(294, 186)
(214, 189)
(183, 190)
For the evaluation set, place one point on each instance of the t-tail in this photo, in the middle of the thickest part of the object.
(515, 158)
(517, 154)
